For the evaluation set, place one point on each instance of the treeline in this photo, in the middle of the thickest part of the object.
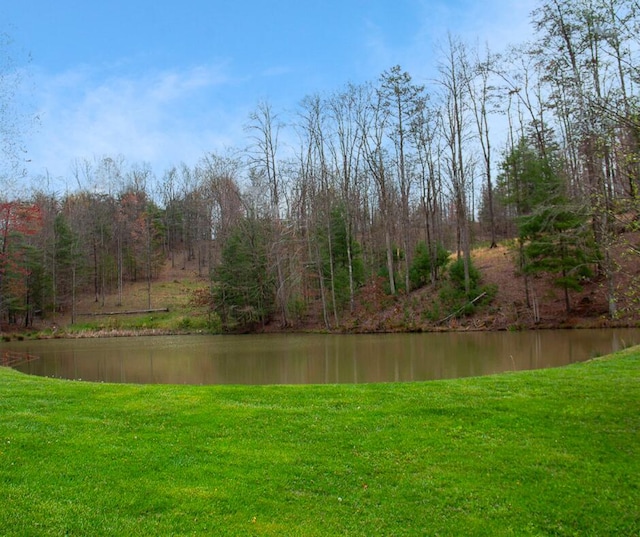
(373, 183)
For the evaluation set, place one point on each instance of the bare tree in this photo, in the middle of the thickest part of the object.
(218, 180)
(169, 196)
(403, 101)
(373, 123)
(481, 93)
(264, 129)
(314, 175)
(454, 81)
(426, 135)
(346, 149)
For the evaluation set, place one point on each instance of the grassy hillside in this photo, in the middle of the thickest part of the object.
(553, 452)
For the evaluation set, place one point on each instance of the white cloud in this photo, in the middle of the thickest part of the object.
(498, 23)
(162, 118)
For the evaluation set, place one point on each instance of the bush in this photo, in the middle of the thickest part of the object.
(422, 264)
(297, 308)
(453, 295)
(456, 277)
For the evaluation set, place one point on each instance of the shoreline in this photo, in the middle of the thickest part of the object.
(573, 324)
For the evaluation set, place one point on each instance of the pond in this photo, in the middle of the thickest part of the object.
(313, 359)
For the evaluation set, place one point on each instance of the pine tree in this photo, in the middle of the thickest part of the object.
(558, 241)
(554, 235)
(244, 289)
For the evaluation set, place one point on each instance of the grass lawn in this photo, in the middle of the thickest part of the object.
(553, 452)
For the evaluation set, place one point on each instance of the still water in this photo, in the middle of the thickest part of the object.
(313, 359)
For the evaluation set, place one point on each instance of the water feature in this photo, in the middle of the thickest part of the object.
(313, 358)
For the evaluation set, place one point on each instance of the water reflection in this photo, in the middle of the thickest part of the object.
(314, 359)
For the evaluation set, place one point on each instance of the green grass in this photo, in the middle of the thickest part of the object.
(172, 322)
(553, 452)
(183, 314)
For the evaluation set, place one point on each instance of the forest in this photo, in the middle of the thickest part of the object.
(382, 185)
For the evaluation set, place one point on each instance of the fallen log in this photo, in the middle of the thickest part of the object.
(462, 308)
(126, 312)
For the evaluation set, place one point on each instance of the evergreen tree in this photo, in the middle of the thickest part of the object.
(244, 289)
(423, 265)
(553, 233)
(559, 242)
(527, 179)
(38, 281)
(68, 264)
(462, 291)
(420, 266)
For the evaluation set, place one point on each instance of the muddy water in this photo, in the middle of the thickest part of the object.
(313, 359)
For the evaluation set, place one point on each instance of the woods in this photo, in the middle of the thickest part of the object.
(538, 144)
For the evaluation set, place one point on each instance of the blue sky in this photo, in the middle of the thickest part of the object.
(165, 82)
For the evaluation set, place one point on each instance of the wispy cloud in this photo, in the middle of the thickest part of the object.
(277, 70)
(497, 23)
(158, 117)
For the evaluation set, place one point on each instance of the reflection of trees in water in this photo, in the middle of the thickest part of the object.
(315, 359)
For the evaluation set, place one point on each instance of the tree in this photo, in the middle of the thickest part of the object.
(558, 241)
(403, 101)
(524, 170)
(149, 236)
(462, 290)
(426, 137)
(218, 181)
(318, 179)
(18, 221)
(588, 50)
(454, 73)
(340, 257)
(346, 150)
(553, 233)
(173, 213)
(480, 94)
(67, 264)
(95, 219)
(264, 127)
(243, 284)
(424, 264)
(373, 123)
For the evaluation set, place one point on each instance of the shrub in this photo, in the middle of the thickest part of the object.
(456, 277)
(453, 295)
(422, 264)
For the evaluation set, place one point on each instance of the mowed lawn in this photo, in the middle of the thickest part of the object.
(553, 452)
